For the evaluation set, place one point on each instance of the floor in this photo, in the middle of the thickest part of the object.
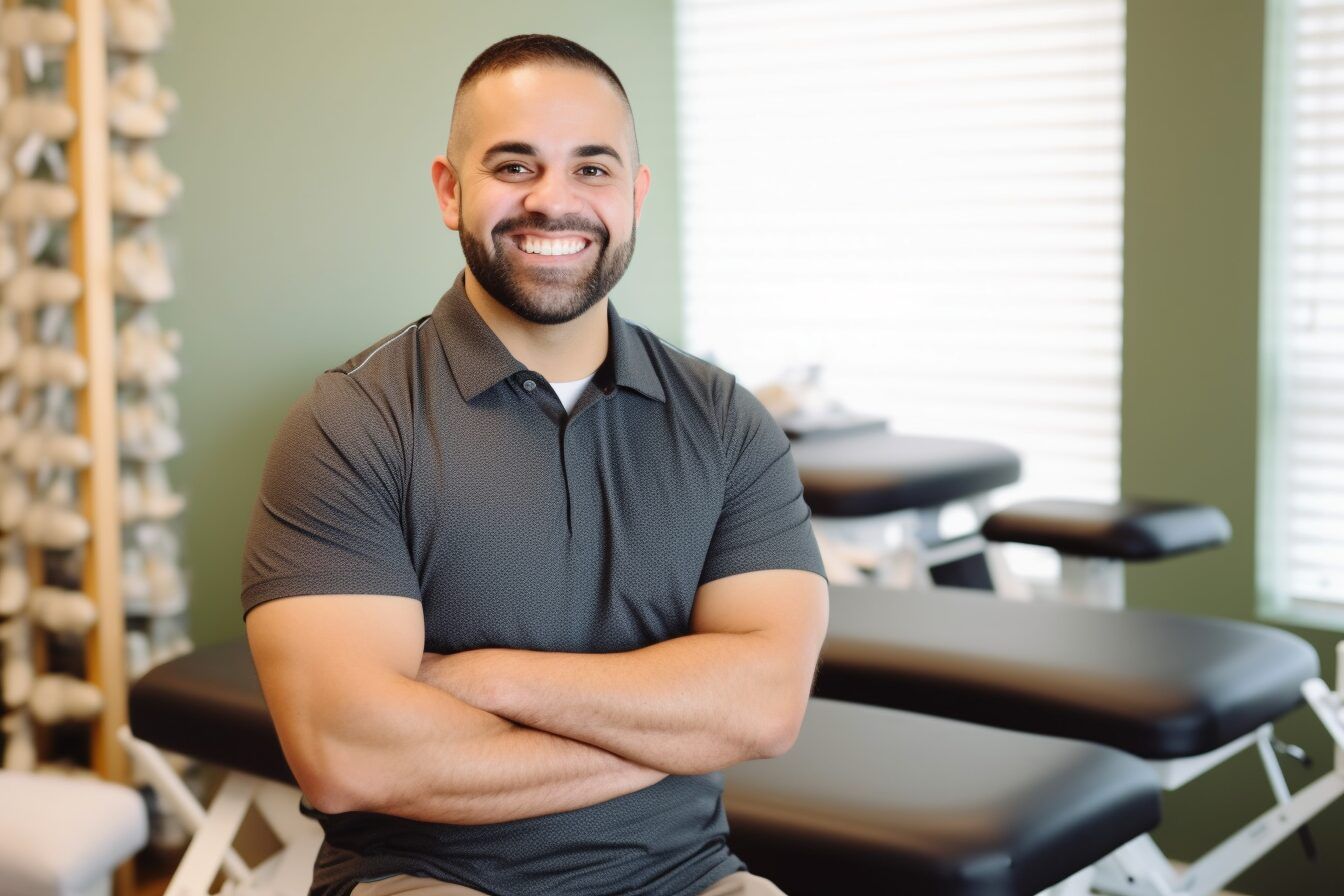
(153, 870)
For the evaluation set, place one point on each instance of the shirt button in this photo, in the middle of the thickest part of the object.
(529, 385)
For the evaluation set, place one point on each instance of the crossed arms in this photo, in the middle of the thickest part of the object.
(369, 722)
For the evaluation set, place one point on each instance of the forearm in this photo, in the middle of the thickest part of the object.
(417, 752)
(688, 705)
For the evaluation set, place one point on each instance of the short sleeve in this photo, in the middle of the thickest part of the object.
(764, 522)
(327, 518)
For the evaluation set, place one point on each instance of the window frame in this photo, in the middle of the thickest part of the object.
(1274, 600)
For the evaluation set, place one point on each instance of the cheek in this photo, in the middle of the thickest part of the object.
(483, 208)
(617, 219)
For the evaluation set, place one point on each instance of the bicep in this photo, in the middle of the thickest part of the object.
(319, 656)
(783, 612)
(788, 606)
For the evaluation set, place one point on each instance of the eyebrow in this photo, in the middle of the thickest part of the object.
(586, 151)
(510, 146)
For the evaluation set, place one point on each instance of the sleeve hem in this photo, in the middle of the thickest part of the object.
(255, 595)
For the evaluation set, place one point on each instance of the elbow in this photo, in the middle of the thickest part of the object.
(777, 733)
(356, 787)
(325, 789)
(352, 783)
(333, 782)
(318, 786)
(329, 799)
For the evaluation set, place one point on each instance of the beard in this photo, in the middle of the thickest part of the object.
(547, 296)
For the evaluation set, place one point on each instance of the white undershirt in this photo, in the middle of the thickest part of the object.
(569, 392)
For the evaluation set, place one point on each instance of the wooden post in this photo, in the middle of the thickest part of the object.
(96, 409)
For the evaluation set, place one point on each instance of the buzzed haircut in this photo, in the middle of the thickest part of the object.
(531, 49)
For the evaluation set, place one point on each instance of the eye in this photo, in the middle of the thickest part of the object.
(513, 170)
(592, 171)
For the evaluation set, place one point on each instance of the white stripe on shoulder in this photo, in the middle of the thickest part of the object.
(386, 344)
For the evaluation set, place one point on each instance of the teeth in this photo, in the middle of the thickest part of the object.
(538, 246)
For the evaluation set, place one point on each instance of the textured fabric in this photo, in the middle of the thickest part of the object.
(739, 883)
(434, 465)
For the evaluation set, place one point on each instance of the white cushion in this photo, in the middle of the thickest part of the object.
(58, 834)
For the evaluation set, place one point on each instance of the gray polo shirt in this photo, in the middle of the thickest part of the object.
(434, 465)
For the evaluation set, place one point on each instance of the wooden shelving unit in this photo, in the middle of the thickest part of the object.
(84, 244)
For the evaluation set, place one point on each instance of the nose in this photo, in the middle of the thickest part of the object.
(552, 195)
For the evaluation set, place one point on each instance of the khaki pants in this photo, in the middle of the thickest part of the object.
(739, 883)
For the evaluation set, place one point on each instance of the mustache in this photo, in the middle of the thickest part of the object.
(567, 224)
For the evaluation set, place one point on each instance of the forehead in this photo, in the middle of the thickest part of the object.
(550, 106)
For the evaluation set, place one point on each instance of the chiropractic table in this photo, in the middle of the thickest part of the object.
(1180, 692)
(877, 497)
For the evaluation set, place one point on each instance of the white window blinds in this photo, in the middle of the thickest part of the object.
(1301, 559)
(922, 197)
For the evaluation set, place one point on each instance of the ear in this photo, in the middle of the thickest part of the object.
(642, 179)
(447, 189)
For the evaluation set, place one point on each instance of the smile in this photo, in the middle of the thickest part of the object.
(535, 245)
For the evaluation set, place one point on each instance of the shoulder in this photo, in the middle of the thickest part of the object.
(726, 403)
(380, 379)
(688, 378)
(363, 406)
(391, 360)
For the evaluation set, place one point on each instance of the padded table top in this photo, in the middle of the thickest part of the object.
(1158, 685)
(866, 795)
(878, 801)
(208, 704)
(880, 472)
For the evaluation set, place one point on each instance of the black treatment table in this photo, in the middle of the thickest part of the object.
(1156, 685)
(868, 800)
(873, 471)
(868, 474)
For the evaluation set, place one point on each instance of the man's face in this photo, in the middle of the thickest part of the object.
(542, 189)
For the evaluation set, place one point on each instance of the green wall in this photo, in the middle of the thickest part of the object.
(1189, 408)
(308, 228)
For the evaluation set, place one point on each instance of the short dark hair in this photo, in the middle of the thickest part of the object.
(531, 49)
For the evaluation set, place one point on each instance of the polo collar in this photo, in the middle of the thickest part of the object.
(628, 354)
(478, 360)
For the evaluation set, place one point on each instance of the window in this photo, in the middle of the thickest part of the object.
(1301, 520)
(924, 198)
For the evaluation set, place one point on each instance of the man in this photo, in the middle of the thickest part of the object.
(545, 575)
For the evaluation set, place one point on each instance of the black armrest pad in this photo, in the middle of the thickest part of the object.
(1126, 530)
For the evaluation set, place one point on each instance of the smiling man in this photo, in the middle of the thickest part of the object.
(544, 575)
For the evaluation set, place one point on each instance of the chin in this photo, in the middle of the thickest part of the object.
(552, 312)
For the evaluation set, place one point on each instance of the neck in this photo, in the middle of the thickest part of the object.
(559, 352)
